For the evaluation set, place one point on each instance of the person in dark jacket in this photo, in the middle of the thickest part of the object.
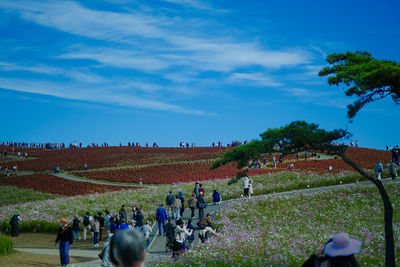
(139, 220)
(113, 225)
(122, 214)
(182, 198)
(65, 237)
(201, 202)
(102, 223)
(169, 232)
(76, 228)
(14, 224)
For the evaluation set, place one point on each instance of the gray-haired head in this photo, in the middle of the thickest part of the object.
(129, 247)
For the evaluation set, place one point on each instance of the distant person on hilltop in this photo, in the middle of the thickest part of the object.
(392, 169)
(395, 155)
(379, 170)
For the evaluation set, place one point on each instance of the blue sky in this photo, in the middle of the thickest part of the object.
(185, 70)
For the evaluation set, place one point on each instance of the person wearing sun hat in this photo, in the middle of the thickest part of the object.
(66, 239)
(338, 251)
(341, 250)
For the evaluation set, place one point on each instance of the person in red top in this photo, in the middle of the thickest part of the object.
(66, 239)
(201, 189)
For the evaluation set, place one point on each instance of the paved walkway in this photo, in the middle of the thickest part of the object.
(72, 178)
(157, 249)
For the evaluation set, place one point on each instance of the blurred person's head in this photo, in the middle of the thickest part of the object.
(128, 248)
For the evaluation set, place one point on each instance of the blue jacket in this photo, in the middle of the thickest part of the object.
(216, 197)
(161, 214)
(378, 166)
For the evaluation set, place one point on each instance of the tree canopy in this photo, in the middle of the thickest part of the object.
(367, 78)
(296, 136)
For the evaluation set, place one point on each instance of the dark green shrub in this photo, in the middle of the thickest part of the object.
(31, 226)
(6, 245)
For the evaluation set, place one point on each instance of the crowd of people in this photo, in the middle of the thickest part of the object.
(179, 236)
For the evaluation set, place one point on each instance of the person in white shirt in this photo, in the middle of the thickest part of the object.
(245, 182)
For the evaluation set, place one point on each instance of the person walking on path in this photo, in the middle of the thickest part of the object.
(87, 220)
(96, 230)
(177, 206)
(379, 170)
(113, 226)
(201, 189)
(216, 199)
(15, 219)
(146, 233)
(169, 201)
(122, 214)
(169, 234)
(182, 198)
(201, 202)
(139, 219)
(250, 186)
(105, 261)
(392, 169)
(196, 189)
(108, 221)
(76, 228)
(64, 235)
(192, 204)
(161, 216)
(245, 182)
(102, 224)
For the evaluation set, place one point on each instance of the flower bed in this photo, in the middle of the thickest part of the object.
(37, 215)
(100, 157)
(170, 173)
(284, 231)
(49, 184)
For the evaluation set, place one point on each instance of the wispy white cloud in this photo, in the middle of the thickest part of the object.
(165, 43)
(81, 76)
(257, 79)
(192, 3)
(119, 58)
(104, 95)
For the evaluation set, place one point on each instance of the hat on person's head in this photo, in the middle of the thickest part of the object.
(63, 220)
(342, 245)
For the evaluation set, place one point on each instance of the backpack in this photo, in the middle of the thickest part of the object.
(86, 221)
(170, 200)
(217, 197)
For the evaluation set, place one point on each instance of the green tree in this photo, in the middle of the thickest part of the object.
(365, 77)
(300, 136)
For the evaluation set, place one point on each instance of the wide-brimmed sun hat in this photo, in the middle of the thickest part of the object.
(342, 245)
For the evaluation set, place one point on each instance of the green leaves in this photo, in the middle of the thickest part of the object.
(295, 137)
(367, 78)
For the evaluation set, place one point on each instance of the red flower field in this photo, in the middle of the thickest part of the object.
(53, 185)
